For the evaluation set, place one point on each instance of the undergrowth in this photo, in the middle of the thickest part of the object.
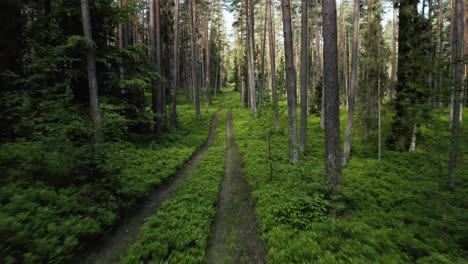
(56, 195)
(397, 210)
(179, 231)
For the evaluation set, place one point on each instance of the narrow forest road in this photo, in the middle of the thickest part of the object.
(111, 248)
(235, 233)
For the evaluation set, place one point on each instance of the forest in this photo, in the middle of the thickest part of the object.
(233, 131)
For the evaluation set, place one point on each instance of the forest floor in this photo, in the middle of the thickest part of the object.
(235, 233)
(114, 246)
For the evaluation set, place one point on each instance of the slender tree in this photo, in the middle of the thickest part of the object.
(332, 114)
(354, 84)
(304, 75)
(262, 70)
(290, 81)
(458, 84)
(91, 68)
(271, 39)
(251, 59)
(193, 39)
(175, 69)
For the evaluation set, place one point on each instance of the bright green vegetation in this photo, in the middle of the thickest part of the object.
(56, 194)
(396, 210)
(179, 231)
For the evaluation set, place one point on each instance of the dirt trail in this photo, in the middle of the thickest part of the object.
(117, 243)
(235, 233)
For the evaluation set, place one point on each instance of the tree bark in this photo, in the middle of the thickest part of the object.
(271, 39)
(193, 38)
(458, 84)
(354, 85)
(208, 55)
(251, 47)
(304, 75)
(91, 68)
(175, 70)
(262, 70)
(161, 109)
(332, 110)
(290, 81)
(394, 50)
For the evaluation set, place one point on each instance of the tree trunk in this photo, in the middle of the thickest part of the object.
(354, 85)
(161, 109)
(304, 75)
(175, 69)
(208, 55)
(91, 67)
(332, 110)
(458, 84)
(271, 39)
(262, 70)
(193, 39)
(394, 51)
(251, 47)
(290, 81)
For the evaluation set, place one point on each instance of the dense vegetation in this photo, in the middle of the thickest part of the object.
(179, 232)
(56, 196)
(397, 210)
(103, 101)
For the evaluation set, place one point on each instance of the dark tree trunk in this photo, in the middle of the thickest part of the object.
(175, 70)
(161, 104)
(290, 81)
(271, 39)
(91, 67)
(262, 70)
(458, 85)
(331, 96)
(251, 60)
(193, 39)
(304, 76)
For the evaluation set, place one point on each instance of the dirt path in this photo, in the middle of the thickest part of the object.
(235, 233)
(116, 244)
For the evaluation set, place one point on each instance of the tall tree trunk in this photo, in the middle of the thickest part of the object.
(271, 39)
(290, 81)
(91, 67)
(394, 50)
(208, 57)
(175, 69)
(354, 85)
(262, 70)
(251, 45)
(161, 109)
(152, 40)
(332, 100)
(304, 75)
(193, 39)
(458, 84)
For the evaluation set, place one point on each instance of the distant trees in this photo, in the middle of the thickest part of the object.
(304, 74)
(354, 83)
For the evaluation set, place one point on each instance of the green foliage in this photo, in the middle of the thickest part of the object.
(57, 193)
(393, 211)
(179, 231)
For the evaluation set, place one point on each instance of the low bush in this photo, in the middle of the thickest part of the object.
(179, 231)
(397, 210)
